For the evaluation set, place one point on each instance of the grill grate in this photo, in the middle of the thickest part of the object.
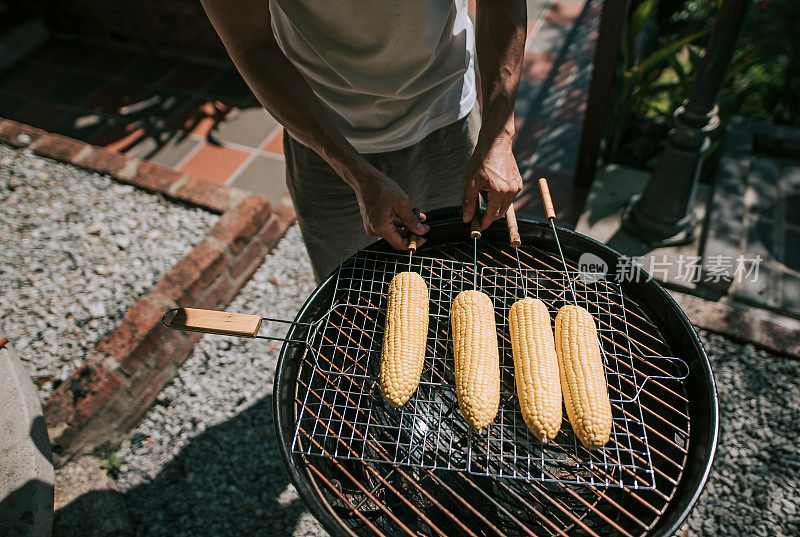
(343, 414)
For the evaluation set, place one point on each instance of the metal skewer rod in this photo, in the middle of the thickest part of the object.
(550, 213)
(412, 241)
(475, 233)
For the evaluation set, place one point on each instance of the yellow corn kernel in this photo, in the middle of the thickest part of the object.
(536, 367)
(583, 379)
(404, 337)
(477, 360)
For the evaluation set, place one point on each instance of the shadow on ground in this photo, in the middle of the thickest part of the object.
(248, 496)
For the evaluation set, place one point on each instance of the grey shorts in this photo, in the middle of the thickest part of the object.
(429, 171)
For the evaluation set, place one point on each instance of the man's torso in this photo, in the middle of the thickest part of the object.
(388, 72)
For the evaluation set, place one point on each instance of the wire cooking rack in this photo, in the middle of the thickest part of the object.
(343, 414)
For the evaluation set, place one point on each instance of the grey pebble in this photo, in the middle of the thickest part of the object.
(753, 485)
(78, 250)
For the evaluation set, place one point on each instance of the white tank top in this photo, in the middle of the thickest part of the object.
(388, 72)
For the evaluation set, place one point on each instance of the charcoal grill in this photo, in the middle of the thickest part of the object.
(364, 468)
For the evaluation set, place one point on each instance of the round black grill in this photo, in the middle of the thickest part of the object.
(364, 468)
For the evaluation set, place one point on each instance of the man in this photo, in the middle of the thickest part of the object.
(379, 101)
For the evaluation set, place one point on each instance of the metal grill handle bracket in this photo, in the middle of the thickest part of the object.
(684, 367)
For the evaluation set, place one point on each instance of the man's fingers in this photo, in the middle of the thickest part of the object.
(508, 199)
(412, 221)
(492, 210)
(469, 203)
(393, 237)
(399, 223)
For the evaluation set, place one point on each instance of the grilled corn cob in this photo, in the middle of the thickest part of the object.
(583, 379)
(536, 367)
(477, 359)
(404, 337)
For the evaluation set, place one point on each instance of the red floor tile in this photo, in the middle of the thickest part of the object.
(80, 125)
(120, 136)
(41, 116)
(201, 117)
(573, 107)
(526, 139)
(591, 42)
(566, 66)
(112, 61)
(114, 96)
(229, 86)
(11, 104)
(32, 79)
(215, 163)
(536, 65)
(75, 88)
(67, 53)
(275, 143)
(191, 76)
(564, 13)
(149, 69)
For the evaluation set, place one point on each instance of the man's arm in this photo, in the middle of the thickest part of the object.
(492, 170)
(246, 31)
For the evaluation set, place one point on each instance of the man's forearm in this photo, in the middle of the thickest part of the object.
(284, 92)
(246, 31)
(492, 170)
(500, 43)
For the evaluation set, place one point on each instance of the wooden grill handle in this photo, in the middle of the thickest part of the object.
(216, 322)
(547, 201)
(513, 228)
(475, 225)
(413, 237)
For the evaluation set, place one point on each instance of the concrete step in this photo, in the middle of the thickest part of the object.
(26, 465)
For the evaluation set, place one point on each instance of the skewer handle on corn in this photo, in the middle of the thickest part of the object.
(477, 359)
(583, 379)
(404, 337)
(536, 367)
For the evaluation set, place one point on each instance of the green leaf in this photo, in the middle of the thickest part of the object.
(664, 53)
(641, 16)
(655, 89)
(677, 66)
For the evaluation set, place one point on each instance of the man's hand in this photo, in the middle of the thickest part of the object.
(500, 29)
(494, 174)
(387, 212)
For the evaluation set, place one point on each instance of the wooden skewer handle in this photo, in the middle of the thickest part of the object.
(413, 237)
(216, 322)
(547, 201)
(513, 228)
(412, 242)
(475, 225)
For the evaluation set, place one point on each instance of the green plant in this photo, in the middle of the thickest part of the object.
(653, 77)
(662, 47)
(111, 463)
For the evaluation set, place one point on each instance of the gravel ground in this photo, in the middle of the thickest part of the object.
(204, 461)
(753, 489)
(78, 250)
